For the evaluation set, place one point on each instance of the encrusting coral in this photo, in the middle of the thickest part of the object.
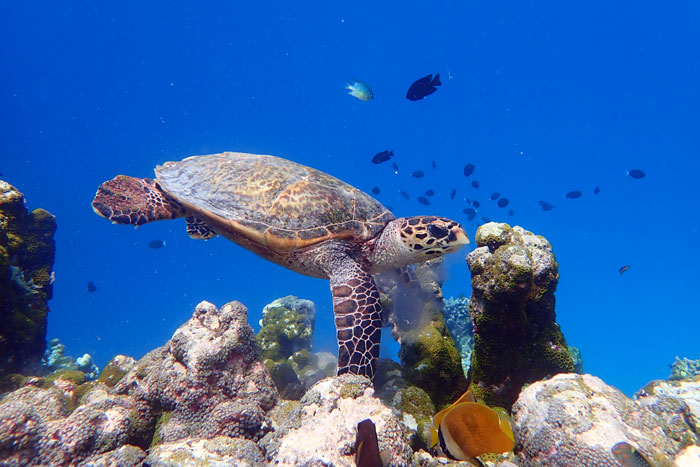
(27, 250)
(516, 338)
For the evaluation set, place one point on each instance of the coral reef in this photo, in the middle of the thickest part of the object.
(207, 381)
(205, 398)
(575, 419)
(55, 359)
(285, 340)
(321, 429)
(413, 402)
(222, 451)
(516, 338)
(27, 251)
(287, 326)
(115, 369)
(459, 323)
(683, 368)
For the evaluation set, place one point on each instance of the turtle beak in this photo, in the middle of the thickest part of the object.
(461, 237)
(457, 237)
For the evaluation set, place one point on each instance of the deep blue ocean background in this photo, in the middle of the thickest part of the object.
(543, 99)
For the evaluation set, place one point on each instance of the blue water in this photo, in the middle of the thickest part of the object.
(542, 99)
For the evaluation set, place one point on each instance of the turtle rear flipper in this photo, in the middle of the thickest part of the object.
(130, 200)
(198, 229)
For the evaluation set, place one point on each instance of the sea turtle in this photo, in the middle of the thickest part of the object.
(295, 216)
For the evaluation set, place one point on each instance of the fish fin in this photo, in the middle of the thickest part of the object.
(468, 396)
(434, 438)
(436, 80)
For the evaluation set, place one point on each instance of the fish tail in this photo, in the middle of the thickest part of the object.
(436, 80)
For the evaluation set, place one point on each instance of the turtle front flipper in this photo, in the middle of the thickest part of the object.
(358, 319)
(130, 200)
(198, 229)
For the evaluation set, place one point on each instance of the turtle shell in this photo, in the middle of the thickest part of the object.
(272, 201)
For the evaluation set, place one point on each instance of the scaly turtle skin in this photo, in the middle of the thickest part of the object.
(295, 216)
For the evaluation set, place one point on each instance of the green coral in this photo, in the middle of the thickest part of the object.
(432, 362)
(165, 416)
(517, 340)
(11, 382)
(74, 376)
(111, 374)
(27, 250)
(286, 328)
(351, 390)
(285, 339)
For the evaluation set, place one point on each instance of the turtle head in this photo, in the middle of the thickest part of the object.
(409, 240)
(431, 236)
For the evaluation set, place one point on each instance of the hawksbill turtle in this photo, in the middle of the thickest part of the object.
(295, 216)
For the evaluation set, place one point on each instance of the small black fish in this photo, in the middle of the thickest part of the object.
(494, 196)
(423, 87)
(486, 220)
(471, 213)
(367, 445)
(573, 194)
(91, 287)
(476, 204)
(155, 244)
(376, 190)
(636, 173)
(503, 202)
(546, 206)
(395, 167)
(424, 201)
(468, 169)
(624, 268)
(429, 192)
(453, 193)
(596, 190)
(418, 174)
(511, 213)
(382, 156)
(434, 165)
(475, 184)
(404, 194)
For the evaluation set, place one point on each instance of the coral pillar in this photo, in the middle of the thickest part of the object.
(27, 251)
(516, 338)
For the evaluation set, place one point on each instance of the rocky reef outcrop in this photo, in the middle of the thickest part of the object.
(206, 398)
(206, 382)
(516, 338)
(27, 251)
(575, 419)
(321, 428)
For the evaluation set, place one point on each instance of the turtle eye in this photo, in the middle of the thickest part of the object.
(437, 231)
